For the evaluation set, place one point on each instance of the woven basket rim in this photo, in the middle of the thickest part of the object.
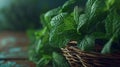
(79, 58)
(95, 54)
(75, 47)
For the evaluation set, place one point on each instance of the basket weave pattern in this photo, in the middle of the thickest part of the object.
(78, 58)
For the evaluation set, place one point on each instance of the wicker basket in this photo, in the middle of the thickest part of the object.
(78, 58)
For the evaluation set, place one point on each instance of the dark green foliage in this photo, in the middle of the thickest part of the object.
(68, 5)
(99, 21)
(59, 60)
(87, 44)
(57, 26)
(95, 13)
(112, 29)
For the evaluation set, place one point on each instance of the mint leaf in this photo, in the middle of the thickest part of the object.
(68, 5)
(82, 22)
(87, 43)
(107, 48)
(61, 34)
(112, 23)
(44, 61)
(50, 14)
(59, 60)
(113, 30)
(58, 19)
(69, 23)
(77, 11)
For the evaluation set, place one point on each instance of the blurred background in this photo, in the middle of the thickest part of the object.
(20, 15)
(17, 19)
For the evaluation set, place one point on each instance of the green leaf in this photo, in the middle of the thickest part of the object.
(113, 30)
(50, 14)
(82, 21)
(107, 48)
(109, 3)
(59, 60)
(68, 5)
(44, 61)
(76, 14)
(69, 23)
(87, 43)
(96, 12)
(95, 7)
(38, 46)
(58, 19)
(40, 33)
(89, 6)
(61, 34)
(109, 25)
(57, 38)
(112, 23)
(46, 18)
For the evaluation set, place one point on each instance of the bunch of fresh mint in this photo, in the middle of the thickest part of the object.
(99, 20)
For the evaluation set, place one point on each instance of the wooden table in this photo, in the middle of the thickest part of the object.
(14, 50)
